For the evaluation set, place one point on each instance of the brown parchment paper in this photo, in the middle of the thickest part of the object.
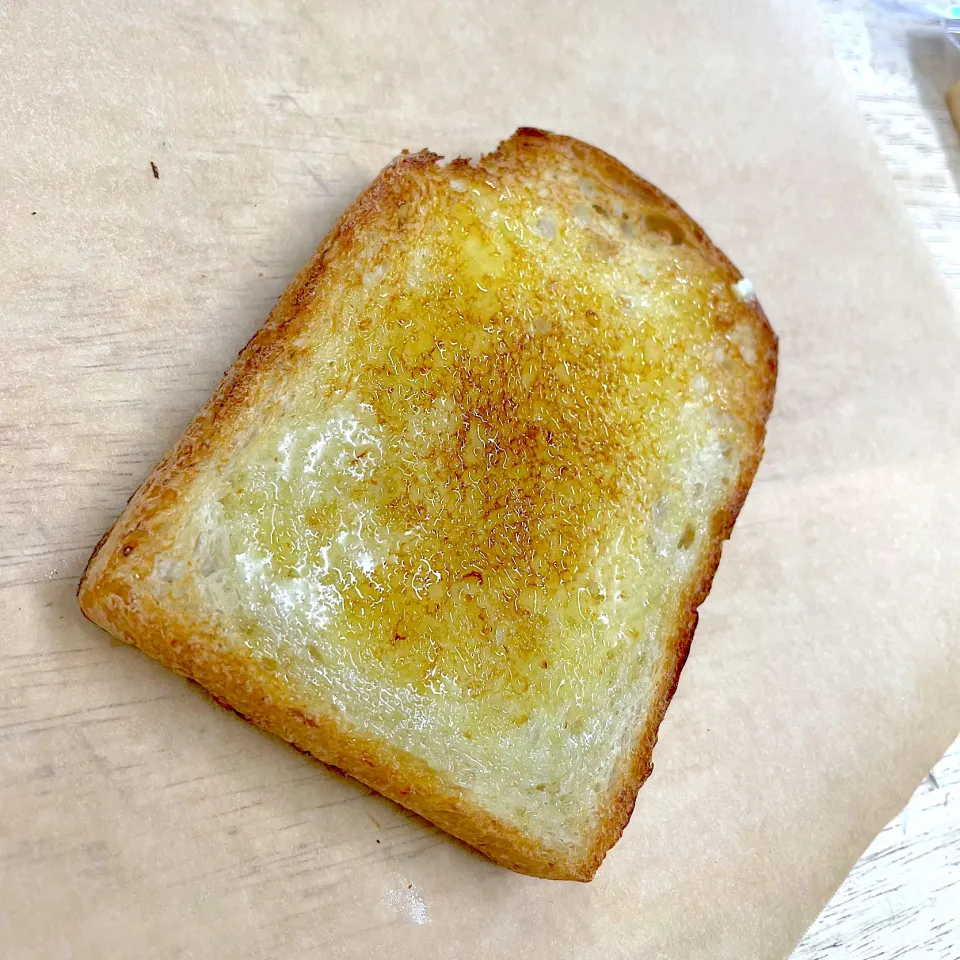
(139, 819)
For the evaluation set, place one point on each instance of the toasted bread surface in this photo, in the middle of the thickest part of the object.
(448, 519)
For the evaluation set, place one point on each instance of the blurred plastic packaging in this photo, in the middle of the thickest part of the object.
(928, 13)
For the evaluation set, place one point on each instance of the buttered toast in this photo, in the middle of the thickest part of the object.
(447, 521)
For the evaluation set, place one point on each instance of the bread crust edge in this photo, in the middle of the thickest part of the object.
(239, 685)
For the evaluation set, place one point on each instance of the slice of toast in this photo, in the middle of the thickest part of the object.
(448, 519)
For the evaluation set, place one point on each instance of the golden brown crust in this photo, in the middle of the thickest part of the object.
(109, 599)
(239, 684)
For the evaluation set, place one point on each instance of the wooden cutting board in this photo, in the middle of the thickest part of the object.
(164, 171)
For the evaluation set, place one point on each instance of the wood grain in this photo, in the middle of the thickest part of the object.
(902, 899)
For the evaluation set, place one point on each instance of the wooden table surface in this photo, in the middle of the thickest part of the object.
(902, 899)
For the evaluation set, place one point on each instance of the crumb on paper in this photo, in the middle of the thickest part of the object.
(407, 902)
(156, 172)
